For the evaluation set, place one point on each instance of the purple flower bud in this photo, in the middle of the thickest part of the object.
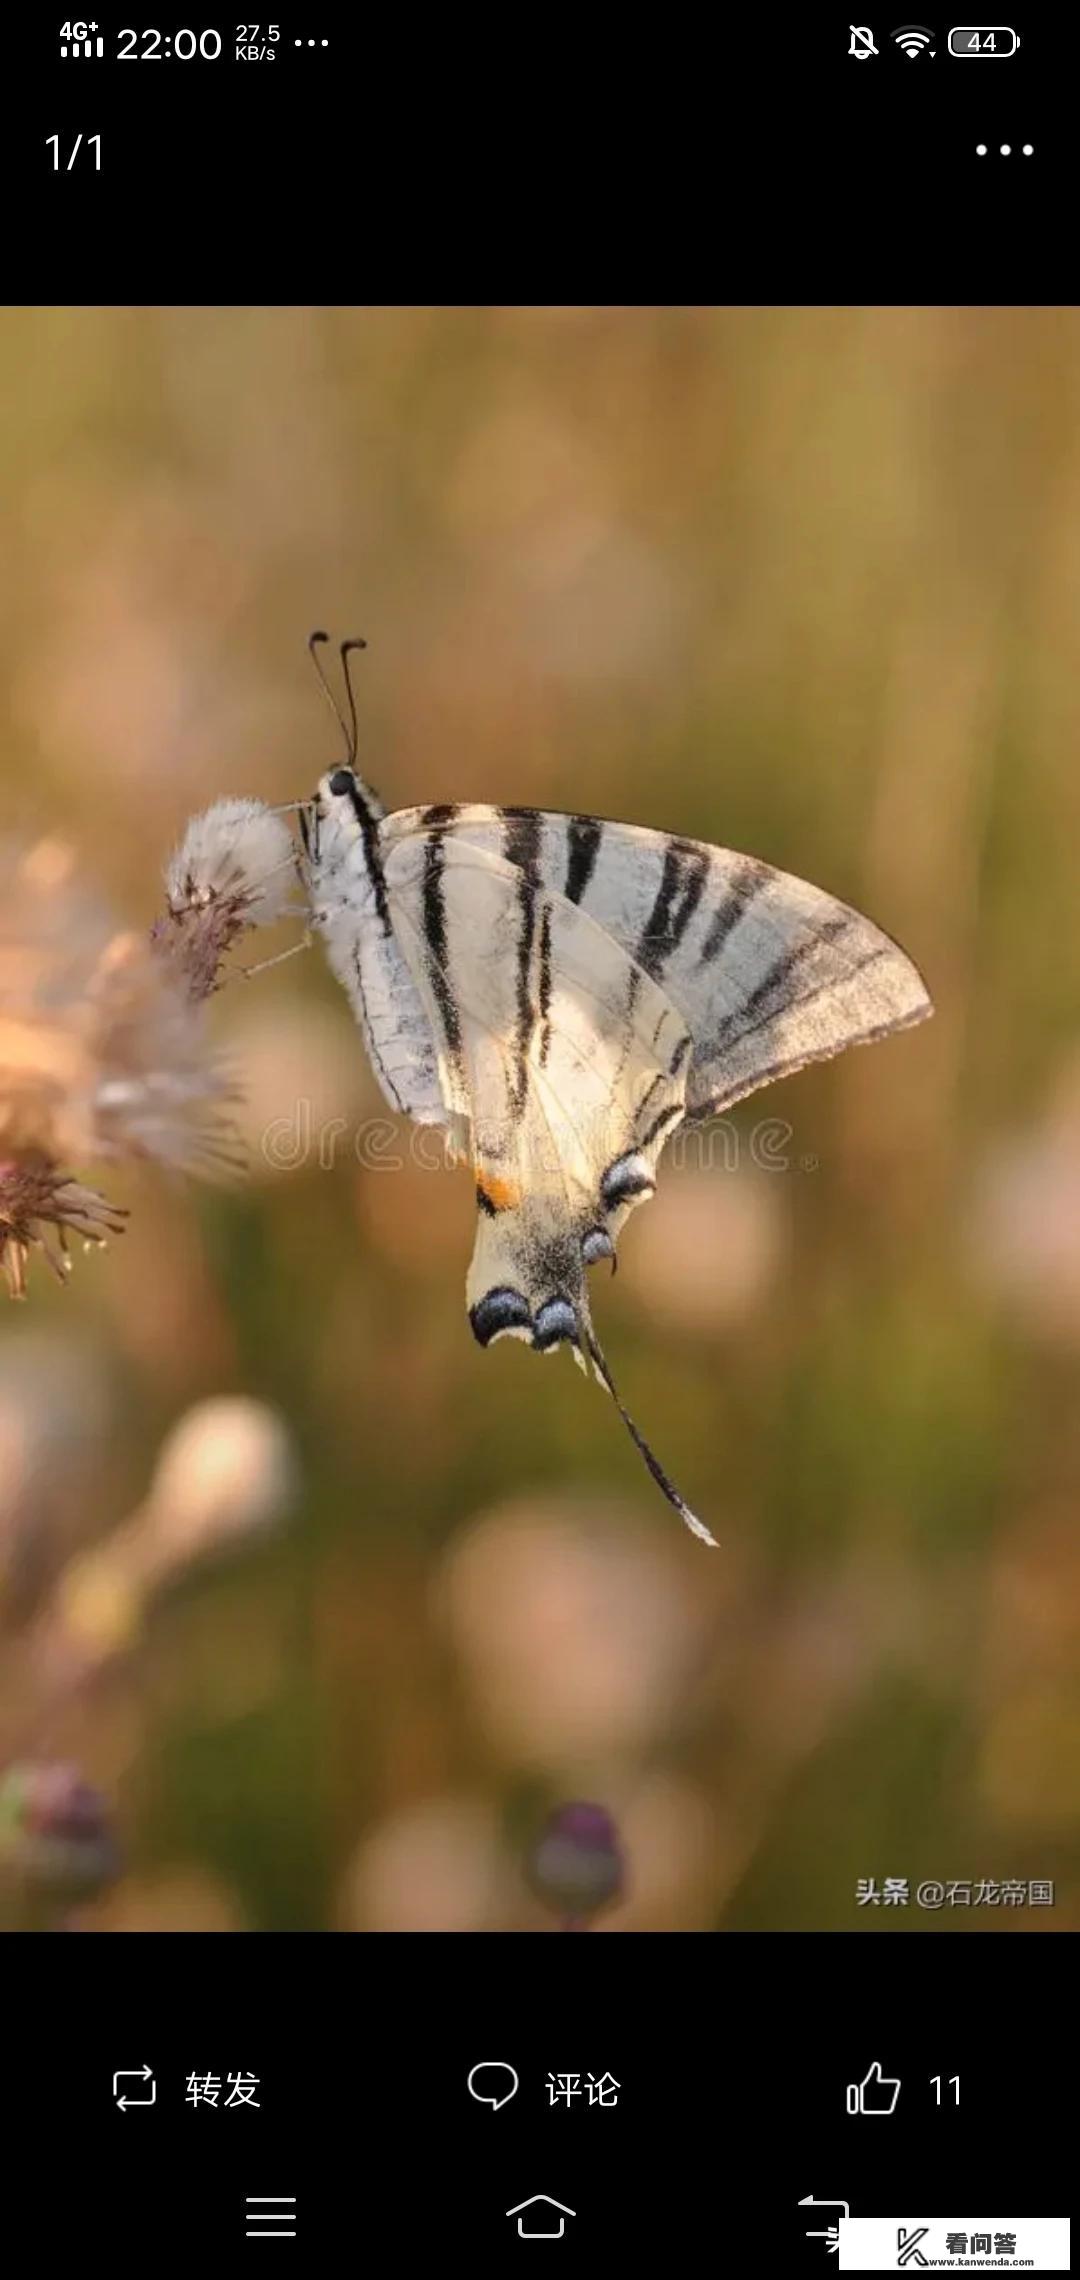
(576, 1865)
(56, 1832)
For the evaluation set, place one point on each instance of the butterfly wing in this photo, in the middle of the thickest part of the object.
(563, 1066)
(767, 971)
(348, 909)
(560, 992)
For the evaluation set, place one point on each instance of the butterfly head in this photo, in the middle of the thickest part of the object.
(343, 801)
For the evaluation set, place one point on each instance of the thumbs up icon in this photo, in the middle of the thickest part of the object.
(875, 2094)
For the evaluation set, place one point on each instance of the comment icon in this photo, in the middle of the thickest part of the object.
(493, 2083)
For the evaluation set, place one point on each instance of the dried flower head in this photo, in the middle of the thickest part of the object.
(39, 1208)
(101, 1057)
(51, 938)
(159, 1094)
(234, 868)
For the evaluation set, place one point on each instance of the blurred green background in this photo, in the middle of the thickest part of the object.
(804, 582)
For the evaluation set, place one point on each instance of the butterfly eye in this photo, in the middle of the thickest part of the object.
(341, 782)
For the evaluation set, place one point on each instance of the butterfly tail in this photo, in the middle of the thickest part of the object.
(664, 1483)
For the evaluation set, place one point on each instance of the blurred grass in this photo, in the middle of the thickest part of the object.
(800, 581)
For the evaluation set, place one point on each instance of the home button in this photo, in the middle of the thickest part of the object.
(541, 2218)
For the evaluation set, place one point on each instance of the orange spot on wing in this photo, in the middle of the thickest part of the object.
(502, 1195)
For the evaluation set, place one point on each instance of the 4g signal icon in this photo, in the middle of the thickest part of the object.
(77, 40)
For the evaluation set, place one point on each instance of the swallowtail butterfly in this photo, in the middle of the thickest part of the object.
(561, 993)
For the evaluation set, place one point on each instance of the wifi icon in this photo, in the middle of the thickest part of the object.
(913, 38)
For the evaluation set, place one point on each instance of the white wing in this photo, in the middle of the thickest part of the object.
(767, 971)
(348, 907)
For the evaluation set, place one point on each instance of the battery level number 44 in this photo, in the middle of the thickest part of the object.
(983, 39)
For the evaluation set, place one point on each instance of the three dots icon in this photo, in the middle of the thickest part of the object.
(311, 43)
(1006, 150)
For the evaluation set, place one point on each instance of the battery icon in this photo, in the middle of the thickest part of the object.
(983, 39)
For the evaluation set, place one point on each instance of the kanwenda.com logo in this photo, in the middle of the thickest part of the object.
(928, 2244)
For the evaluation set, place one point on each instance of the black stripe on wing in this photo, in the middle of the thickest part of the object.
(660, 1122)
(748, 881)
(521, 846)
(583, 837)
(774, 983)
(725, 1096)
(682, 884)
(633, 992)
(804, 999)
(545, 983)
(344, 785)
(434, 917)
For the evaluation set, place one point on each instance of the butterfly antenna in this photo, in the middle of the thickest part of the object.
(315, 642)
(346, 649)
(667, 1486)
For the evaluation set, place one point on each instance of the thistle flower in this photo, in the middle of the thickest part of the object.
(101, 1057)
(576, 1865)
(35, 1197)
(159, 1094)
(235, 868)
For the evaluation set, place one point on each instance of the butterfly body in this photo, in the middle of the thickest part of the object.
(561, 993)
(349, 908)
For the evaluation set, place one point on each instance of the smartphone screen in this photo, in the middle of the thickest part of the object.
(539, 671)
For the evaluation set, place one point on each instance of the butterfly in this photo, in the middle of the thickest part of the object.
(560, 994)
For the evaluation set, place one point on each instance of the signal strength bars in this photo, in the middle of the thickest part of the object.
(84, 47)
(271, 2216)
